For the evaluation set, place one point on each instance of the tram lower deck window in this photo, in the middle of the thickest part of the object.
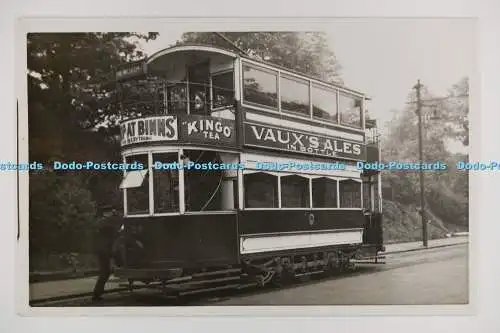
(294, 191)
(165, 184)
(350, 193)
(324, 193)
(138, 194)
(261, 190)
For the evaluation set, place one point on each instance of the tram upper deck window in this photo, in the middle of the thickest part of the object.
(261, 190)
(165, 183)
(350, 193)
(294, 191)
(222, 89)
(260, 86)
(324, 101)
(136, 185)
(350, 110)
(177, 98)
(324, 193)
(294, 95)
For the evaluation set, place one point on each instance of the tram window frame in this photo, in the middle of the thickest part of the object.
(227, 72)
(334, 119)
(343, 194)
(275, 105)
(300, 82)
(272, 180)
(130, 196)
(322, 180)
(342, 107)
(306, 191)
(174, 179)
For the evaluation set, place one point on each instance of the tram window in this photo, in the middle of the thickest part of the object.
(324, 193)
(165, 184)
(138, 196)
(350, 194)
(350, 111)
(222, 89)
(204, 186)
(324, 103)
(261, 190)
(177, 99)
(260, 86)
(294, 95)
(294, 191)
(366, 195)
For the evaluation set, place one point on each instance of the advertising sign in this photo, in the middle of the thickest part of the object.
(149, 129)
(307, 143)
(207, 130)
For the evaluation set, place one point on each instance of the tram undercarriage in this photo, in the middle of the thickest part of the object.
(254, 271)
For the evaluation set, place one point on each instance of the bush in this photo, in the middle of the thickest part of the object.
(62, 216)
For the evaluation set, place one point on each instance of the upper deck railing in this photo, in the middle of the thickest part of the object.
(156, 96)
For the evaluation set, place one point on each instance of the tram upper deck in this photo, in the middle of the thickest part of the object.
(278, 109)
(197, 103)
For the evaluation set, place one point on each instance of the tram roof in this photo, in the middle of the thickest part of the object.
(223, 51)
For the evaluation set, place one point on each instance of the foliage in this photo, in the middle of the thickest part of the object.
(62, 213)
(66, 100)
(444, 120)
(306, 52)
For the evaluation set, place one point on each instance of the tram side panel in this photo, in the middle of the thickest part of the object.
(183, 241)
(287, 231)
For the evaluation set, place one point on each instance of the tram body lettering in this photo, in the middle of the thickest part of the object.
(149, 129)
(301, 142)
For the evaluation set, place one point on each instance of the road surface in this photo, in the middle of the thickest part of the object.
(433, 276)
(438, 276)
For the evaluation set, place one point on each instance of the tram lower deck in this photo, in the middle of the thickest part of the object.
(190, 221)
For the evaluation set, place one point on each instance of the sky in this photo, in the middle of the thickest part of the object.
(385, 58)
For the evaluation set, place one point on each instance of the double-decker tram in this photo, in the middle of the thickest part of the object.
(250, 170)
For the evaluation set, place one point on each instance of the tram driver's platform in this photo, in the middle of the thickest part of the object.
(43, 290)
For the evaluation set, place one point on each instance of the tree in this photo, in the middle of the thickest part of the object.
(66, 100)
(306, 52)
(446, 191)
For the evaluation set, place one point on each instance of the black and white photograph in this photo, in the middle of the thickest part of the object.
(207, 166)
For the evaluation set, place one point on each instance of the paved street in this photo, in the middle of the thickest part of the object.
(438, 276)
(434, 276)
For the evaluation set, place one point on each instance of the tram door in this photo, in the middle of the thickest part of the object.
(199, 88)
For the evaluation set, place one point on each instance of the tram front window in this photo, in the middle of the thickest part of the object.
(165, 183)
(294, 192)
(222, 89)
(136, 184)
(203, 183)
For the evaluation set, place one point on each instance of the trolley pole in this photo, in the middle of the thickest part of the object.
(417, 87)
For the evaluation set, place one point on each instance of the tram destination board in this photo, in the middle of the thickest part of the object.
(283, 139)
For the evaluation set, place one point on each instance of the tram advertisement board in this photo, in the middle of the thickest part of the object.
(207, 130)
(149, 129)
(307, 143)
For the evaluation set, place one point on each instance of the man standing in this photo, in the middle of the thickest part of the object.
(106, 235)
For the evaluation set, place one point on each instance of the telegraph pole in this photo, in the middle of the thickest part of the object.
(417, 87)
